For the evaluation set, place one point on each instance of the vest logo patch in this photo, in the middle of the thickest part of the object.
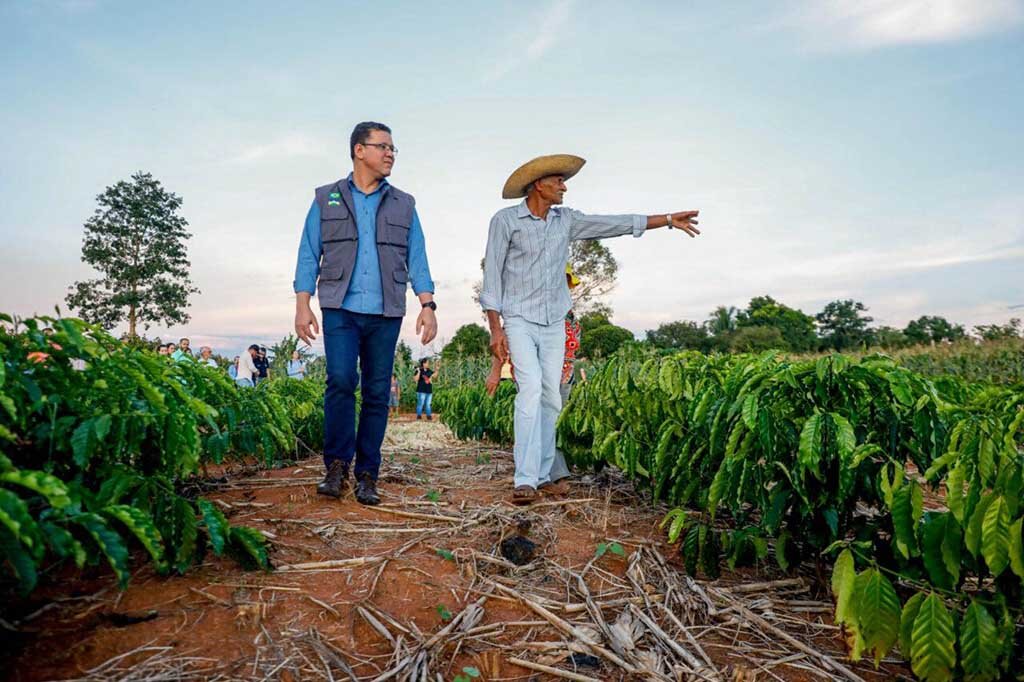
(335, 195)
(333, 202)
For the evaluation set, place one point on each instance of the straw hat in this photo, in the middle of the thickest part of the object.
(565, 165)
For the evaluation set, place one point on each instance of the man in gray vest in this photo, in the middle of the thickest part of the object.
(362, 245)
(525, 284)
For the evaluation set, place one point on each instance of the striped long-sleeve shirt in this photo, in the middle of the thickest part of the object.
(524, 265)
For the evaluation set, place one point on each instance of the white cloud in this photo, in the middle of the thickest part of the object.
(545, 29)
(841, 24)
(287, 146)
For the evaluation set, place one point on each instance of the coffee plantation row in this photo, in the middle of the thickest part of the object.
(822, 460)
(98, 458)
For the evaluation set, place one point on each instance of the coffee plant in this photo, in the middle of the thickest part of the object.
(911, 483)
(98, 440)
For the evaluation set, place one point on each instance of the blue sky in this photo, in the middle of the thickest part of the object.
(869, 149)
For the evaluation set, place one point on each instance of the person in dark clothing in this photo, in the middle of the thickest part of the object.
(362, 246)
(424, 377)
(262, 365)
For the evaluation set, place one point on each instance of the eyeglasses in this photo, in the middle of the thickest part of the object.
(383, 146)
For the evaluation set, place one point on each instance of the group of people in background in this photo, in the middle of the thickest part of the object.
(182, 352)
(247, 369)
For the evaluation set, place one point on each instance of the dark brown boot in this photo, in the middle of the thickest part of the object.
(366, 490)
(335, 481)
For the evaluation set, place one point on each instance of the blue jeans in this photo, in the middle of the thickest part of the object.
(369, 339)
(537, 354)
(423, 403)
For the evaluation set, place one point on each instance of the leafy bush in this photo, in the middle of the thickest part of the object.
(97, 439)
(807, 458)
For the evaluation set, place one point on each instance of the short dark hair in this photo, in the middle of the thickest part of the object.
(254, 347)
(361, 133)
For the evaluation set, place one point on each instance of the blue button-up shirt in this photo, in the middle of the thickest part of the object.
(365, 293)
(524, 265)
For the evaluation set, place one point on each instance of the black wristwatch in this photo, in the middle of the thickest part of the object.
(431, 305)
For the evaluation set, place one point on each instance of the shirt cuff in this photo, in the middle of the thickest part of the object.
(639, 225)
(488, 303)
(311, 290)
(427, 289)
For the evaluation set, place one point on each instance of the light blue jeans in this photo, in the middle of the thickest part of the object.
(423, 401)
(537, 354)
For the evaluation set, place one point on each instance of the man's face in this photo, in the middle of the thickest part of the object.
(551, 189)
(378, 159)
(206, 353)
(184, 344)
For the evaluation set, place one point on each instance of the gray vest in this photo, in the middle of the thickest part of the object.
(341, 237)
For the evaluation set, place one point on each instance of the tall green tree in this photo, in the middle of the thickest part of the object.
(933, 329)
(843, 326)
(602, 341)
(1000, 332)
(722, 320)
(469, 341)
(593, 319)
(136, 240)
(757, 339)
(597, 270)
(403, 354)
(680, 335)
(890, 338)
(795, 327)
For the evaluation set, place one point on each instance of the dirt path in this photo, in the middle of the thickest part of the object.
(418, 589)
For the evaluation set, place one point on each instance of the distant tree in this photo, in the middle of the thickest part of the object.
(403, 354)
(595, 318)
(756, 339)
(722, 320)
(680, 335)
(597, 270)
(796, 328)
(933, 329)
(470, 340)
(996, 332)
(842, 326)
(890, 338)
(602, 341)
(136, 240)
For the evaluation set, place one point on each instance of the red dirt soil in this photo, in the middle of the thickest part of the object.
(222, 622)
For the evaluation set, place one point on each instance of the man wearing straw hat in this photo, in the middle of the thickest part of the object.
(525, 286)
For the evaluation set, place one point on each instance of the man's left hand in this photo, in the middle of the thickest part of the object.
(686, 221)
(426, 326)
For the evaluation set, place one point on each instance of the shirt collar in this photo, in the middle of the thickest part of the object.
(523, 211)
(381, 187)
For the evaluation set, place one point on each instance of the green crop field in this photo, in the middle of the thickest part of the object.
(828, 461)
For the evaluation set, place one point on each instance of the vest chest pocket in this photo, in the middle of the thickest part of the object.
(336, 224)
(398, 232)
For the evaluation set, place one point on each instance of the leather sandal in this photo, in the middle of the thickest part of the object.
(524, 494)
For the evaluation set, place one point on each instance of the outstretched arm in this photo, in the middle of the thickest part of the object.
(682, 220)
(585, 226)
